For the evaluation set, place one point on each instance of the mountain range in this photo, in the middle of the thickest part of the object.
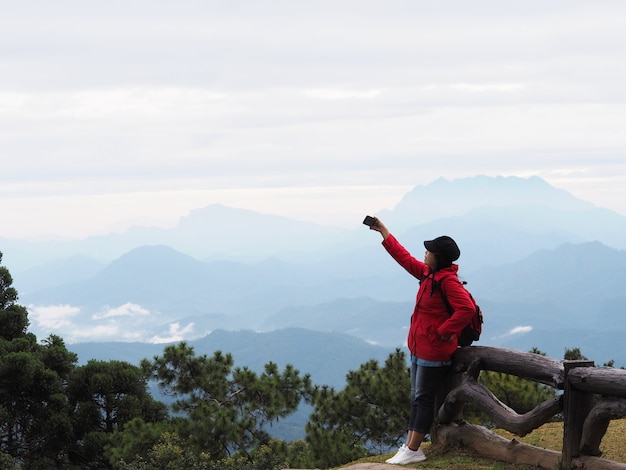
(545, 267)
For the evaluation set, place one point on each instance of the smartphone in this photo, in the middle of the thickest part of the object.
(369, 220)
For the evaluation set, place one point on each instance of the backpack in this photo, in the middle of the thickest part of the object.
(474, 328)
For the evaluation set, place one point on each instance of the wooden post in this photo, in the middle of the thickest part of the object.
(577, 406)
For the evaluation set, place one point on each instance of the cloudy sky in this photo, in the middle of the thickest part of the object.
(136, 112)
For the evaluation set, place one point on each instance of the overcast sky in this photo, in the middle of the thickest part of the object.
(138, 111)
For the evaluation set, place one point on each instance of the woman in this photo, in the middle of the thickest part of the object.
(433, 335)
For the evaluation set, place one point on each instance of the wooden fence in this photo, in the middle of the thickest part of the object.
(591, 397)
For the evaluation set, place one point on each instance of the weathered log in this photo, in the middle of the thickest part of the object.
(529, 366)
(490, 445)
(600, 380)
(597, 423)
(596, 463)
(502, 415)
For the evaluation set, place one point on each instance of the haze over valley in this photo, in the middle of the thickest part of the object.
(546, 267)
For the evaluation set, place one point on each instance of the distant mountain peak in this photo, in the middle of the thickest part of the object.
(150, 255)
(449, 198)
(483, 188)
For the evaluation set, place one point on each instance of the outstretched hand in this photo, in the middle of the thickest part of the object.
(378, 226)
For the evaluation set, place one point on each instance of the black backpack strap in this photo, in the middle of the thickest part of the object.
(438, 285)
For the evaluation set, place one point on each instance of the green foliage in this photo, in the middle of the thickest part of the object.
(7, 462)
(104, 396)
(298, 454)
(370, 412)
(135, 440)
(574, 354)
(171, 453)
(35, 427)
(519, 394)
(225, 409)
(13, 317)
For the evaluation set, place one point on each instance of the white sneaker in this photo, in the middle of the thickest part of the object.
(409, 456)
(398, 454)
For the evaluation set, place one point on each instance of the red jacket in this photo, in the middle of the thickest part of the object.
(430, 321)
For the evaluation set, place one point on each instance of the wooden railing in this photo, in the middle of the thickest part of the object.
(591, 398)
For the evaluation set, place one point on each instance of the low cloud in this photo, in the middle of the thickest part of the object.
(126, 322)
(52, 317)
(127, 310)
(516, 331)
(176, 333)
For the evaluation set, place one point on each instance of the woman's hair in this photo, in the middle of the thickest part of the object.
(442, 262)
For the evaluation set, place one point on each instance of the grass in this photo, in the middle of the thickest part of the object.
(548, 436)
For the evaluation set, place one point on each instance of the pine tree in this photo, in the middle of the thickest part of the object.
(35, 427)
(225, 409)
(104, 396)
(370, 413)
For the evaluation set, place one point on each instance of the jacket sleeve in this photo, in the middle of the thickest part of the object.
(462, 306)
(414, 266)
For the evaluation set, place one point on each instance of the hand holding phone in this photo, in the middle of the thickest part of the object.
(369, 220)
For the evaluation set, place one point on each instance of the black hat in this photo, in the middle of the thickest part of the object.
(445, 247)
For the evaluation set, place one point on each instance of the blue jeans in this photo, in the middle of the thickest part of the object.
(426, 380)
